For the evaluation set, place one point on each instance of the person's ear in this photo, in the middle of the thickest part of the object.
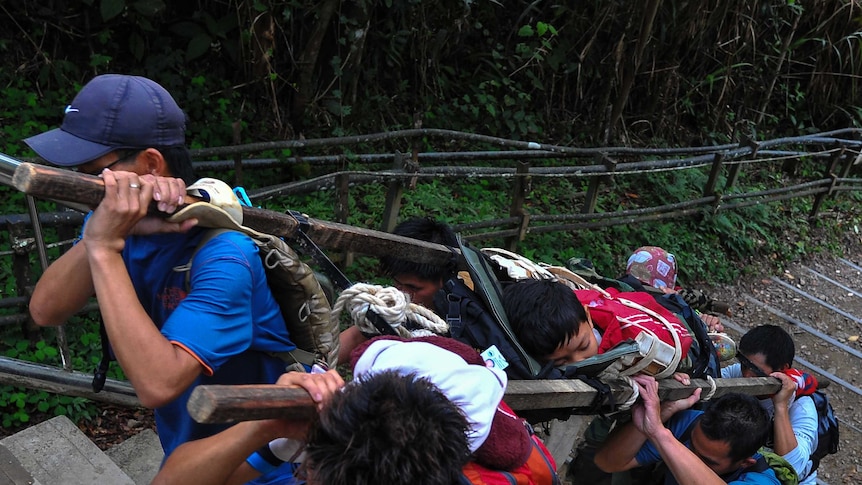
(154, 163)
(747, 462)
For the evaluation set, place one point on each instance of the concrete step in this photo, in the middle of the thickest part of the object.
(57, 452)
(139, 456)
(11, 470)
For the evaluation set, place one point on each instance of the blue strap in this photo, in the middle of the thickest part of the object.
(240, 194)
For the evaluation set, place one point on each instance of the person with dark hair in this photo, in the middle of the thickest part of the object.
(170, 329)
(406, 421)
(556, 324)
(715, 446)
(549, 321)
(424, 411)
(421, 281)
(768, 350)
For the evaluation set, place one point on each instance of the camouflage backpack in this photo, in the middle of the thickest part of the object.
(302, 300)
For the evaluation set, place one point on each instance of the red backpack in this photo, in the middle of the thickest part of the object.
(539, 469)
(620, 316)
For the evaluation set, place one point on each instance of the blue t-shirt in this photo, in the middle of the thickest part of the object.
(679, 425)
(229, 319)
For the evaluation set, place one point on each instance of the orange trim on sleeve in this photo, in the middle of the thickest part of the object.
(207, 370)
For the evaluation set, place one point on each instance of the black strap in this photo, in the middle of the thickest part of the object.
(379, 323)
(100, 375)
(309, 248)
(453, 310)
(604, 401)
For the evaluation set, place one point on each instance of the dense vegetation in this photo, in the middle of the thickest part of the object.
(587, 73)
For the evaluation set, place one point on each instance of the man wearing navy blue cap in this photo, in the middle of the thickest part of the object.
(169, 333)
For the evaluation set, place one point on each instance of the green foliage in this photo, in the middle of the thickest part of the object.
(24, 113)
(548, 72)
(19, 405)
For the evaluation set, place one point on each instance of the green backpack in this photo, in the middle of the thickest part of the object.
(782, 468)
(303, 302)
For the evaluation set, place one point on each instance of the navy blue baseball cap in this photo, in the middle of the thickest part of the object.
(113, 111)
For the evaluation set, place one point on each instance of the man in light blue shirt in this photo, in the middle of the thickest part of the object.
(768, 350)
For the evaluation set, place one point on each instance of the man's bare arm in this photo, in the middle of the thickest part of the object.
(63, 288)
(213, 459)
(686, 467)
(220, 458)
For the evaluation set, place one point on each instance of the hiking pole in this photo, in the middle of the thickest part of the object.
(8, 165)
(62, 342)
(65, 185)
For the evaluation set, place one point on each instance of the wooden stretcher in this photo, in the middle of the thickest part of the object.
(224, 404)
(68, 186)
(229, 404)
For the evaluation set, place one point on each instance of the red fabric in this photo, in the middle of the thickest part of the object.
(618, 322)
(507, 446)
(539, 469)
(806, 383)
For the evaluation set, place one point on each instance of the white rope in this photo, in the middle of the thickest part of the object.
(635, 394)
(677, 345)
(712, 387)
(394, 307)
(518, 267)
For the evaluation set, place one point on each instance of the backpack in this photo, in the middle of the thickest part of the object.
(477, 318)
(634, 315)
(539, 469)
(297, 291)
(827, 429)
(303, 302)
(702, 359)
(644, 335)
(471, 322)
(783, 470)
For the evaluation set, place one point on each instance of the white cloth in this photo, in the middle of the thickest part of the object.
(476, 389)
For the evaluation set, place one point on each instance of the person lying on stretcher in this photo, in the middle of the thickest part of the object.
(555, 324)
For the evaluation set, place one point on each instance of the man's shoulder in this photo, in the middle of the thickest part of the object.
(217, 242)
(759, 474)
(680, 424)
(804, 404)
(803, 414)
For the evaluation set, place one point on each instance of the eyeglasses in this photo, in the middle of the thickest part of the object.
(747, 364)
(126, 155)
(125, 158)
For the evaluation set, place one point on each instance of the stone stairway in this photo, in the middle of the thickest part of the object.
(56, 452)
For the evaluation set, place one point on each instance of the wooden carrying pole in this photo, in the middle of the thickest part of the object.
(229, 404)
(68, 186)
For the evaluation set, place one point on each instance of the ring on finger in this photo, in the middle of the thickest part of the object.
(134, 186)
